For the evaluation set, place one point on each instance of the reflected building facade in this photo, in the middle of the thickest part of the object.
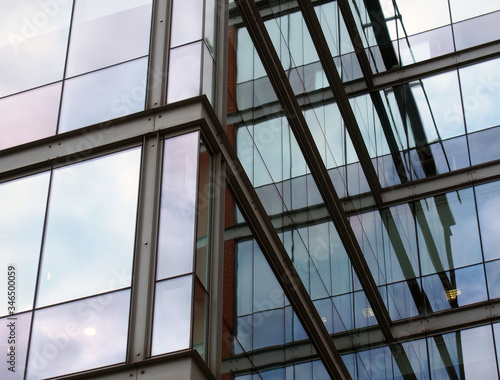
(201, 189)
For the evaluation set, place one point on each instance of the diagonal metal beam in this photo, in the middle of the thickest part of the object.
(337, 87)
(282, 87)
(274, 251)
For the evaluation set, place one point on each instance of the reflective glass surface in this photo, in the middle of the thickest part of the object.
(23, 203)
(488, 208)
(107, 32)
(30, 29)
(184, 72)
(176, 240)
(79, 335)
(89, 238)
(480, 91)
(172, 316)
(29, 116)
(187, 21)
(103, 95)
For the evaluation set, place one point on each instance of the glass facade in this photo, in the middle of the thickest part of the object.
(278, 189)
(412, 247)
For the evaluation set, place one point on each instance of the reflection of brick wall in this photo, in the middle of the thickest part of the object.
(231, 72)
(229, 266)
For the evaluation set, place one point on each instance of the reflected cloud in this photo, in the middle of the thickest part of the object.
(90, 230)
(61, 342)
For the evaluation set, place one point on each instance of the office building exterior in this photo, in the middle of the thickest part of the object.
(202, 189)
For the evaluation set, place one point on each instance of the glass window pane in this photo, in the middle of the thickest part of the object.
(187, 21)
(184, 72)
(21, 328)
(464, 9)
(480, 91)
(268, 328)
(29, 116)
(484, 146)
(104, 33)
(172, 316)
(103, 95)
(33, 42)
(89, 238)
(244, 277)
(80, 335)
(477, 31)
(488, 208)
(493, 278)
(178, 206)
(448, 231)
(23, 203)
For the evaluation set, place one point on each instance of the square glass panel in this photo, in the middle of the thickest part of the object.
(23, 203)
(172, 315)
(29, 116)
(176, 240)
(33, 42)
(104, 33)
(80, 335)
(89, 237)
(102, 95)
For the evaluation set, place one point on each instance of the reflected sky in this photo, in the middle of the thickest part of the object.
(89, 240)
(79, 335)
(30, 29)
(184, 72)
(103, 95)
(29, 116)
(23, 203)
(172, 316)
(109, 32)
(187, 21)
(178, 206)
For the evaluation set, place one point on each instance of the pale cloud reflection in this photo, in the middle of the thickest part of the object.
(103, 95)
(172, 318)
(23, 203)
(178, 206)
(105, 33)
(90, 232)
(59, 344)
(27, 30)
(29, 116)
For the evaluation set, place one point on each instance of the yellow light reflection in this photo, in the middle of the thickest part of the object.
(452, 294)
(368, 312)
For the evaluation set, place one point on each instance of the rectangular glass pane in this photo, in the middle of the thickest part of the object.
(187, 21)
(33, 42)
(29, 116)
(79, 335)
(172, 315)
(184, 72)
(23, 203)
(176, 240)
(104, 33)
(103, 95)
(90, 232)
